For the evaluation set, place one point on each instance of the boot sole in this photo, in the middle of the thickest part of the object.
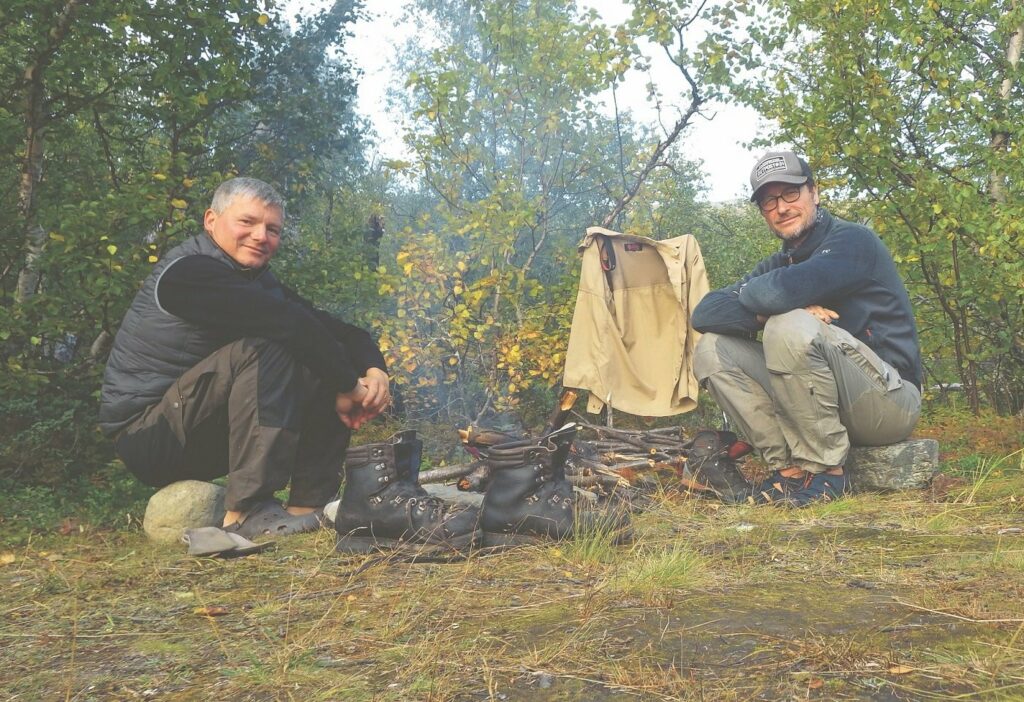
(403, 547)
(492, 539)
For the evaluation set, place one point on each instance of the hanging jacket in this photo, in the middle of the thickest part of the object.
(631, 343)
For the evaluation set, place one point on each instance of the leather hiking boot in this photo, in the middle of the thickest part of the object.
(383, 507)
(530, 500)
(711, 466)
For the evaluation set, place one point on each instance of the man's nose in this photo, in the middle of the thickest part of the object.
(258, 232)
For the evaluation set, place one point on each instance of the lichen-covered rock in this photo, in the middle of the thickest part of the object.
(907, 465)
(183, 505)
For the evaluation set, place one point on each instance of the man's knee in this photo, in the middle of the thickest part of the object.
(789, 339)
(706, 361)
(260, 348)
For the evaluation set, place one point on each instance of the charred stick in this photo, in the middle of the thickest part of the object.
(608, 481)
(561, 412)
(476, 480)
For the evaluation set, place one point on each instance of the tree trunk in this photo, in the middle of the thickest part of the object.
(32, 167)
(1000, 140)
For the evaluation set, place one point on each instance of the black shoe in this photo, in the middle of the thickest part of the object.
(711, 466)
(821, 487)
(530, 500)
(777, 489)
(383, 507)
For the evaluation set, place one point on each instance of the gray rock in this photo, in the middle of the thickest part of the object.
(453, 494)
(186, 504)
(907, 465)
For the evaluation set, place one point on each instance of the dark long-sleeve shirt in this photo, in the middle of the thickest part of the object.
(208, 293)
(842, 266)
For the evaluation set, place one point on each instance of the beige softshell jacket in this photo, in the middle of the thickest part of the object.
(631, 343)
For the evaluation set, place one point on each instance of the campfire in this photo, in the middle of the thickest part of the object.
(602, 458)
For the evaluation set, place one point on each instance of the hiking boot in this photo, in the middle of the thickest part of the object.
(819, 487)
(383, 507)
(711, 466)
(777, 488)
(530, 500)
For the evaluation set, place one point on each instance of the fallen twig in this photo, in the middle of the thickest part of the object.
(957, 616)
(439, 475)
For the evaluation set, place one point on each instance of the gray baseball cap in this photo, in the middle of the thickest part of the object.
(778, 167)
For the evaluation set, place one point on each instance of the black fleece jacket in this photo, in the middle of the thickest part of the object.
(208, 293)
(840, 265)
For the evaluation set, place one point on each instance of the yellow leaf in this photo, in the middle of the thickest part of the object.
(262, 19)
(188, 182)
(153, 259)
(178, 203)
(6, 558)
(401, 256)
(461, 265)
(159, 176)
(111, 249)
(900, 670)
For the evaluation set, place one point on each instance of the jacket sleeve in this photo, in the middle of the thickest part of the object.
(843, 264)
(208, 293)
(360, 344)
(720, 311)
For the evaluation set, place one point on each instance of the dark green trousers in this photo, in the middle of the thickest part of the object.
(250, 412)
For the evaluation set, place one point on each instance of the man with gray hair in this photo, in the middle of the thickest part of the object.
(838, 361)
(219, 369)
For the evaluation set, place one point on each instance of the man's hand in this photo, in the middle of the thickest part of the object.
(822, 313)
(349, 406)
(378, 392)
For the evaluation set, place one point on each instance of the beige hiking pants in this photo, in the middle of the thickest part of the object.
(806, 392)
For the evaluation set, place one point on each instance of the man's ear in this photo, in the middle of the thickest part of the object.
(208, 219)
(814, 193)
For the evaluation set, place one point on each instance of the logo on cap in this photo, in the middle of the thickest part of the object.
(776, 163)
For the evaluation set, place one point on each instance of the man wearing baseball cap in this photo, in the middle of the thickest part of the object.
(838, 361)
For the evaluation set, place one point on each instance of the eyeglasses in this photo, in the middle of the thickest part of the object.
(792, 194)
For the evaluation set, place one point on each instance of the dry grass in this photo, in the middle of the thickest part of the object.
(904, 596)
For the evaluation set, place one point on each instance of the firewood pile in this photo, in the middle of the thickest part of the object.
(635, 457)
(602, 458)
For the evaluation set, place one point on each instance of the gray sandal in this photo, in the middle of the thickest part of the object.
(213, 541)
(270, 518)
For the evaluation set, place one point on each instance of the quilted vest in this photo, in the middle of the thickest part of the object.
(153, 348)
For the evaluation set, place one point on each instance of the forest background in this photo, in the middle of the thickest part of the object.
(118, 119)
